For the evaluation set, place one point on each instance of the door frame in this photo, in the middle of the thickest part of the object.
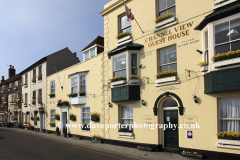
(64, 109)
(162, 114)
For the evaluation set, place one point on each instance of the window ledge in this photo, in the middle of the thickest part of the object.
(165, 84)
(125, 135)
(226, 62)
(204, 69)
(124, 40)
(167, 79)
(78, 100)
(40, 81)
(34, 83)
(225, 143)
(118, 83)
(169, 22)
(219, 4)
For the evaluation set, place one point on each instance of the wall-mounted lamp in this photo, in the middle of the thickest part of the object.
(110, 104)
(141, 66)
(195, 98)
(199, 51)
(143, 103)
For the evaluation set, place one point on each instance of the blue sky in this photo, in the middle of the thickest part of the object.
(33, 29)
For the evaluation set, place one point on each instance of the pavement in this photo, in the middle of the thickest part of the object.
(14, 142)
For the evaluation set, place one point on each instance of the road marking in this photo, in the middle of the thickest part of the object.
(73, 146)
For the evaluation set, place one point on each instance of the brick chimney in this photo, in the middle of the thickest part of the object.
(2, 79)
(75, 54)
(11, 71)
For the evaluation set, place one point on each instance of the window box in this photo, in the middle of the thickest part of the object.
(192, 156)
(25, 104)
(227, 143)
(124, 40)
(204, 69)
(9, 90)
(162, 23)
(14, 103)
(78, 100)
(226, 62)
(134, 81)
(39, 81)
(2, 91)
(25, 85)
(221, 3)
(118, 82)
(15, 88)
(167, 79)
(52, 95)
(5, 102)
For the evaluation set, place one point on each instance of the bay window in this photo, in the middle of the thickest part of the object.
(227, 37)
(229, 114)
(168, 59)
(166, 6)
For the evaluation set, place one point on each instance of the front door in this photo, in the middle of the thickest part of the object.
(64, 122)
(171, 133)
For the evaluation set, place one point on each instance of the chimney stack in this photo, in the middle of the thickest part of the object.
(75, 54)
(2, 79)
(11, 71)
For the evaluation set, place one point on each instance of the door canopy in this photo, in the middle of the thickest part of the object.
(167, 94)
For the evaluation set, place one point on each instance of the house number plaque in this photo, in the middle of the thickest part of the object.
(148, 121)
(190, 121)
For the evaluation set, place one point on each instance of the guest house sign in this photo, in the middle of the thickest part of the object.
(169, 34)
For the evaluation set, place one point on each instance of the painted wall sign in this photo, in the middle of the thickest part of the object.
(190, 134)
(188, 42)
(167, 88)
(191, 121)
(148, 121)
(169, 35)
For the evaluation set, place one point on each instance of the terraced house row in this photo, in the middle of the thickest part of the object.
(176, 62)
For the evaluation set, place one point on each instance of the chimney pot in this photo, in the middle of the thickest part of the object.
(75, 54)
(12, 67)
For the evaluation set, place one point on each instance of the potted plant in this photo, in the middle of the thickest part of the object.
(1, 121)
(65, 132)
(40, 78)
(204, 66)
(35, 111)
(2, 90)
(34, 102)
(4, 101)
(117, 80)
(162, 20)
(39, 101)
(1, 105)
(32, 118)
(52, 124)
(43, 130)
(34, 80)
(95, 116)
(25, 104)
(124, 37)
(166, 76)
(192, 154)
(57, 131)
(125, 132)
(134, 79)
(14, 87)
(31, 127)
(37, 117)
(25, 85)
(82, 93)
(57, 117)
(9, 88)
(96, 139)
(72, 117)
(76, 137)
(70, 95)
(64, 103)
(52, 95)
(41, 110)
(18, 99)
(27, 112)
(85, 127)
(26, 123)
(145, 148)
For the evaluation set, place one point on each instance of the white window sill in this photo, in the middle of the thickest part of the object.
(166, 25)
(34, 83)
(52, 97)
(225, 143)
(165, 84)
(227, 62)
(118, 83)
(124, 40)
(204, 69)
(167, 79)
(40, 81)
(33, 105)
(223, 4)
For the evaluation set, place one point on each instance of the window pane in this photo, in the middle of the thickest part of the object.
(127, 29)
(122, 61)
(227, 125)
(221, 32)
(124, 111)
(235, 29)
(130, 111)
(227, 108)
(222, 48)
(163, 57)
(172, 55)
(206, 40)
(134, 71)
(133, 60)
(92, 51)
(163, 13)
(164, 68)
(172, 10)
(173, 67)
(235, 46)
(170, 3)
(237, 105)
(124, 22)
(116, 64)
(162, 4)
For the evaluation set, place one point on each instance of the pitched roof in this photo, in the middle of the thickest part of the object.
(11, 79)
(99, 40)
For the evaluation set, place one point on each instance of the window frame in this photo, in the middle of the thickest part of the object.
(158, 57)
(40, 73)
(78, 75)
(26, 98)
(88, 51)
(34, 73)
(52, 117)
(39, 97)
(120, 111)
(167, 8)
(26, 78)
(120, 29)
(53, 80)
(16, 83)
(82, 117)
